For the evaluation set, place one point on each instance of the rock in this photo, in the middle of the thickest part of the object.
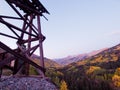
(26, 83)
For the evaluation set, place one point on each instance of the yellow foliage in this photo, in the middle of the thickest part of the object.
(116, 80)
(63, 85)
(117, 72)
(98, 59)
(83, 62)
(92, 69)
(115, 58)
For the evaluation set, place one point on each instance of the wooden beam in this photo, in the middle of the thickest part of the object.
(24, 58)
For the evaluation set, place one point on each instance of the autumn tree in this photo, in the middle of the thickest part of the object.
(117, 72)
(92, 69)
(63, 85)
(116, 80)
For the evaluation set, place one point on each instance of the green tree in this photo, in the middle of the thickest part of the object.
(63, 85)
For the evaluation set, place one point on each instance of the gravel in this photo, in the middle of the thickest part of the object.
(26, 83)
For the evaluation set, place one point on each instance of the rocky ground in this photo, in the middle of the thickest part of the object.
(26, 83)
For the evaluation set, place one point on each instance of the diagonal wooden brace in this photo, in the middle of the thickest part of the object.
(17, 55)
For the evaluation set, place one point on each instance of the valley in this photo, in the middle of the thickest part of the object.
(98, 70)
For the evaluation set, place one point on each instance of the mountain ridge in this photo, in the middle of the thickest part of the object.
(71, 59)
(109, 55)
(48, 62)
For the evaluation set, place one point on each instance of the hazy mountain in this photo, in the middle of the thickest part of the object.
(102, 59)
(95, 52)
(70, 59)
(48, 62)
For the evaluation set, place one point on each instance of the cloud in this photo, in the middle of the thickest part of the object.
(113, 33)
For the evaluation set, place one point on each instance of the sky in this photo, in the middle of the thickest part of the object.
(77, 26)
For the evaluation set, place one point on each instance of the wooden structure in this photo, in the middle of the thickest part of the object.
(28, 13)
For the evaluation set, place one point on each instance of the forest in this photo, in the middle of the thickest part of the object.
(99, 72)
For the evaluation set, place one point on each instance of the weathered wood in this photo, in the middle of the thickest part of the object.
(25, 36)
(17, 55)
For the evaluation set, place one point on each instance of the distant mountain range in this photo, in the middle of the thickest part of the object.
(67, 60)
(107, 58)
(70, 59)
(48, 62)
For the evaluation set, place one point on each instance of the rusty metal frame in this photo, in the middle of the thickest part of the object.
(29, 30)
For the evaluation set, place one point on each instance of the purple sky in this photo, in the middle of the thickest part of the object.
(77, 26)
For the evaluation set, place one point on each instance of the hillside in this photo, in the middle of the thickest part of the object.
(107, 56)
(98, 72)
(48, 62)
(70, 59)
(103, 68)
